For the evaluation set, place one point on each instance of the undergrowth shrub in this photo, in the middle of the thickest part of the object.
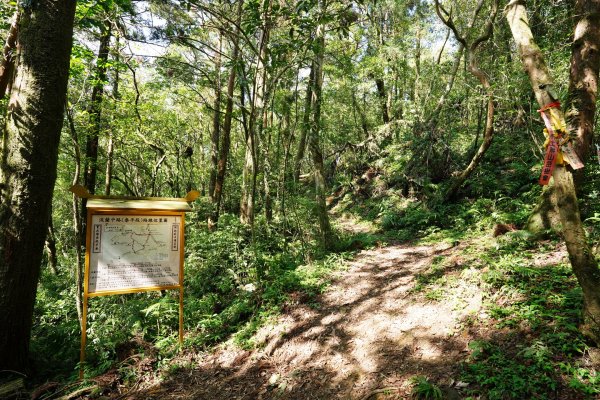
(235, 279)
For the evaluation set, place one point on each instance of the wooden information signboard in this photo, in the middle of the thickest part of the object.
(133, 245)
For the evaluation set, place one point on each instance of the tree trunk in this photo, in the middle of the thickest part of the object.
(287, 138)
(363, 117)
(28, 160)
(110, 148)
(383, 100)
(305, 127)
(580, 107)
(582, 259)
(314, 142)
(248, 181)
(415, 94)
(227, 118)
(95, 109)
(582, 90)
(215, 137)
(77, 222)
(266, 155)
(583, 79)
(256, 124)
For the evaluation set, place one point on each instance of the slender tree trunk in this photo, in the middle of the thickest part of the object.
(581, 256)
(363, 118)
(473, 150)
(256, 125)
(216, 131)
(77, 222)
(28, 160)
(95, 110)
(305, 127)
(415, 94)
(266, 155)
(287, 139)
(249, 181)
(227, 119)
(110, 149)
(327, 239)
(383, 100)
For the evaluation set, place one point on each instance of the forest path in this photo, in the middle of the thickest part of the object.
(366, 337)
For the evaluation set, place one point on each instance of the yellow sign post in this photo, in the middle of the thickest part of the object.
(132, 245)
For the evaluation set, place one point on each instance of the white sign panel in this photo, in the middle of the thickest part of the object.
(134, 252)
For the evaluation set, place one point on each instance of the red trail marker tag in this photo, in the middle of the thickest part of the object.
(549, 162)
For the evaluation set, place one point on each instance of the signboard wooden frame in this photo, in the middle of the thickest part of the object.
(132, 245)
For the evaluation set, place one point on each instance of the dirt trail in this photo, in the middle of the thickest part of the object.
(368, 335)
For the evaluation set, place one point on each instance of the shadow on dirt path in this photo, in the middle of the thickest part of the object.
(368, 334)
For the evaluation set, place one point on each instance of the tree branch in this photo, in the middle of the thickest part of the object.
(8, 55)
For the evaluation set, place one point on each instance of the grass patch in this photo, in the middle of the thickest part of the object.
(536, 351)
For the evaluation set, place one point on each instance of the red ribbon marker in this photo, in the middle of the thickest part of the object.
(549, 162)
(555, 104)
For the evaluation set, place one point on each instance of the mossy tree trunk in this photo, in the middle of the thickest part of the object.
(582, 259)
(28, 160)
(580, 106)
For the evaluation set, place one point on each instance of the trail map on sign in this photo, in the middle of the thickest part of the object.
(139, 242)
(134, 252)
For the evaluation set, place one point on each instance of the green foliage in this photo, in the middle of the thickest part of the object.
(538, 309)
(238, 277)
(235, 280)
(527, 374)
(56, 326)
(425, 390)
(419, 219)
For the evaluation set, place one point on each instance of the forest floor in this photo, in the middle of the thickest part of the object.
(371, 335)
